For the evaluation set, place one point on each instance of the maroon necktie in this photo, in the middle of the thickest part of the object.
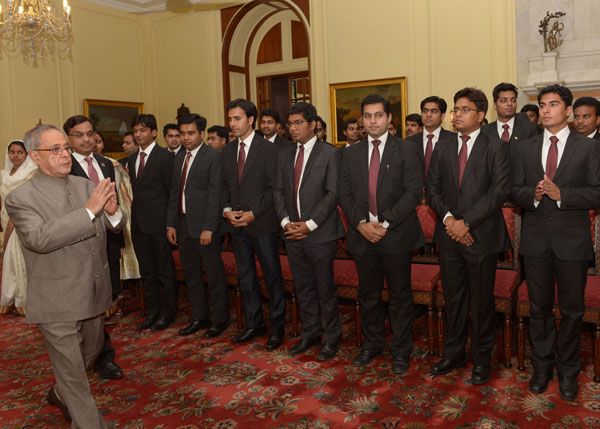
(297, 175)
(505, 136)
(92, 173)
(552, 160)
(462, 158)
(142, 163)
(373, 174)
(182, 182)
(241, 162)
(428, 152)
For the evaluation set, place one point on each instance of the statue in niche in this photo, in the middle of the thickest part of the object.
(552, 38)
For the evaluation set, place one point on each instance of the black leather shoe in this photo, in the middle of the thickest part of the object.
(400, 364)
(193, 327)
(480, 375)
(162, 323)
(303, 345)
(110, 371)
(568, 388)
(275, 341)
(539, 383)
(54, 401)
(215, 331)
(249, 334)
(148, 322)
(328, 351)
(365, 356)
(444, 366)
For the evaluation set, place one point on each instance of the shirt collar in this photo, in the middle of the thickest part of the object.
(593, 134)
(248, 140)
(148, 149)
(272, 138)
(510, 122)
(382, 138)
(436, 133)
(309, 144)
(562, 135)
(195, 151)
(473, 136)
(79, 157)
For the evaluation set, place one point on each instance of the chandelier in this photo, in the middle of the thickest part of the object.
(31, 27)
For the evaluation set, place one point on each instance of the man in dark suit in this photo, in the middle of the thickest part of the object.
(556, 180)
(467, 184)
(586, 117)
(509, 126)
(248, 178)
(305, 199)
(151, 171)
(269, 118)
(173, 139)
(433, 111)
(350, 130)
(381, 183)
(193, 222)
(80, 132)
(130, 147)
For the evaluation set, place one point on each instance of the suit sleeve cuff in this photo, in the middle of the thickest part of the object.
(310, 224)
(226, 209)
(285, 221)
(92, 215)
(114, 219)
(536, 203)
(445, 217)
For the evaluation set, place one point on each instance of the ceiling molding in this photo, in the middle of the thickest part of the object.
(151, 6)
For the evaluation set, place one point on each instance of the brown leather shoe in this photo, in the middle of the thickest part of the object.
(55, 401)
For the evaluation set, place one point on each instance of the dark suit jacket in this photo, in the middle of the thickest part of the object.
(565, 230)
(282, 142)
(108, 170)
(151, 193)
(399, 190)
(317, 192)
(255, 191)
(523, 130)
(123, 161)
(202, 192)
(596, 136)
(485, 188)
(417, 139)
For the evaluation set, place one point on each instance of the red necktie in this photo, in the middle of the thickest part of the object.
(182, 182)
(552, 160)
(505, 136)
(297, 175)
(241, 162)
(373, 174)
(141, 167)
(92, 173)
(462, 159)
(428, 152)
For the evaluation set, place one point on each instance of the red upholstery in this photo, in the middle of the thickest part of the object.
(592, 292)
(506, 283)
(593, 224)
(345, 273)
(523, 295)
(427, 218)
(344, 218)
(177, 260)
(229, 263)
(423, 276)
(509, 219)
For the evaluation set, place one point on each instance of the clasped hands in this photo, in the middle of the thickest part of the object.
(296, 230)
(239, 218)
(458, 231)
(104, 197)
(372, 231)
(547, 187)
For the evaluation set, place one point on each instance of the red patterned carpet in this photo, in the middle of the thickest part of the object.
(182, 382)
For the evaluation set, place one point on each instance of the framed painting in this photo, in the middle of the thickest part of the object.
(345, 99)
(113, 120)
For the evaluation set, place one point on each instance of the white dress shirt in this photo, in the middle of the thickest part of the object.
(381, 147)
(562, 135)
(310, 224)
(247, 142)
(434, 140)
(147, 151)
(593, 134)
(500, 125)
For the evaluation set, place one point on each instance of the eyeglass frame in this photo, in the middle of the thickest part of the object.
(55, 150)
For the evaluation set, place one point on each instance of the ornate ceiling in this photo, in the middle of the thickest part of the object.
(148, 6)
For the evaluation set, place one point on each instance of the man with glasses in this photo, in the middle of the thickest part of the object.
(381, 183)
(305, 196)
(217, 137)
(509, 127)
(467, 184)
(151, 171)
(248, 178)
(81, 135)
(62, 222)
(433, 111)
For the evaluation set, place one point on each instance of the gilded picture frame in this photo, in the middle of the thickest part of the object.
(113, 120)
(345, 99)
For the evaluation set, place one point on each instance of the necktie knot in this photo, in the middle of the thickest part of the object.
(301, 147)
(376, 142)
(505, 126)
(465, 139)
(142, 155)
(88, 160)
(242, 144)
(430, 137)
(189, 155)
(553, 140)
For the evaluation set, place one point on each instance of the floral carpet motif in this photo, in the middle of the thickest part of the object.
(190, 382)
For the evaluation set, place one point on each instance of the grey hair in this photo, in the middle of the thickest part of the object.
(33, 137)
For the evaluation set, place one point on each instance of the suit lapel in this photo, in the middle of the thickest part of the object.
(363, 157)
(150, 160)
(388, 152)
(291, 165)
(537, 155)
(102, 162)
(476, 152)
(76, 168)
(314, 154)
(251, 155)
(570, 148)
(131, 164)
(454, 160)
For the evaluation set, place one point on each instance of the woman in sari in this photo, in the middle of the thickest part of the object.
(18, 168)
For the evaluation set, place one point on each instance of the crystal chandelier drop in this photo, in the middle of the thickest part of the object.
(31, 27)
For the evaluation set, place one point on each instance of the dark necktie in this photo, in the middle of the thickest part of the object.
(182, 182)
(297, 175)
(92, 173)
(505, 136)
(142, 163)
(428, 152)
(241, 162)
(462, 159)
(552, 160)
(373, 174)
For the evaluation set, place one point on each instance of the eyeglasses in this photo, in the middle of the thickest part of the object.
(297, 123)
(463, 110)
(79, 135)
(55, 150)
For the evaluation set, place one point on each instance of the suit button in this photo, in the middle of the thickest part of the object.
(550, 217)
(96, 276)
(93, 253)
